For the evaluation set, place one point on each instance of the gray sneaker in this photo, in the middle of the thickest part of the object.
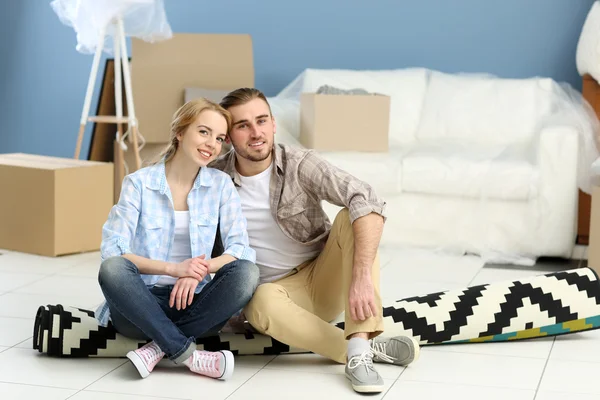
(362, 374)
(399, 350)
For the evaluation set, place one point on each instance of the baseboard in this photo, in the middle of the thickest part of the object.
(580, 252)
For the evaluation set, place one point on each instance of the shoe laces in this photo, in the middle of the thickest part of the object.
(151, 353)
(365, 358)
(378, 350)
(204, 362)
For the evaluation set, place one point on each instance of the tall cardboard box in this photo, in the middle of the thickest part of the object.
(162, 71)
(341, 122)
(53, 206)
(594, 242)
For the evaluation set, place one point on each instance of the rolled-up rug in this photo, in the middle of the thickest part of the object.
(538, 306)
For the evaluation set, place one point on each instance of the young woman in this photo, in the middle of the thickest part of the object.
(157, 243)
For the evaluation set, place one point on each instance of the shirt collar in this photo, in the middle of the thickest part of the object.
(157, 178)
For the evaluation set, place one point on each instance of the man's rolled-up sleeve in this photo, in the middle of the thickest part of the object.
(328, 182)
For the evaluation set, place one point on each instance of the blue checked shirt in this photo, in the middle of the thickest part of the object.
(143, 221)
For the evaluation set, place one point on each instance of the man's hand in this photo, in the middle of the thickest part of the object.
(196, 268)
(361, 297)
(182, 294)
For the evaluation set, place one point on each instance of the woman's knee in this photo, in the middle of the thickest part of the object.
(247, 277)
(113, 269)
(243, 274)
(251, 274)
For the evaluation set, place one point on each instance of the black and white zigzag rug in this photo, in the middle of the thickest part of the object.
(545, 305)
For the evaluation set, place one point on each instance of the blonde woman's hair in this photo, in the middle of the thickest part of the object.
(182, 119)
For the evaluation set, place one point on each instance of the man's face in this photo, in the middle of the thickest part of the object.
(253, 130)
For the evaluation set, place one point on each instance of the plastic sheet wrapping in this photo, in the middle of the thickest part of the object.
(477, 164)
(143, 19)
(588, 46)
(572, 110)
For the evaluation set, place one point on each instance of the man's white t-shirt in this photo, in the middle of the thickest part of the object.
(276, 254)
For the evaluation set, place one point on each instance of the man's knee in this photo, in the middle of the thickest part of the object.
(342, 218)
(264, 304)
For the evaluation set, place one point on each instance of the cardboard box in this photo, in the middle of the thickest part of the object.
(53, 206)
(345, 122)
(162, 71)
(594, 242)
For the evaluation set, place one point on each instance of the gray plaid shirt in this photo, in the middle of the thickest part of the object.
(301, 180)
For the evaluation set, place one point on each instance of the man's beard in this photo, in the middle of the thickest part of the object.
(253, 157)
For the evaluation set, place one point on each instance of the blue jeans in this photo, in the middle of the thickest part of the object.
(140, 312)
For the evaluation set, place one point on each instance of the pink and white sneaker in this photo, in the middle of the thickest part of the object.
(145, 358)
(218, 364)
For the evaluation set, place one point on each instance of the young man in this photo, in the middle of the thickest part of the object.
(310, 270)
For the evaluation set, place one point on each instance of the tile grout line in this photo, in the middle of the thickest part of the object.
(537, 389)
(395, 381)
(391, 386)
(27, 284)
(467, 384)
(476, 274)
(112, 370)
(14, 346)
(243, 383)
(39, 386)
(53, 274)
(253, 375)
(50, 275)
(492, 355)
(6, 316)
(127, 394)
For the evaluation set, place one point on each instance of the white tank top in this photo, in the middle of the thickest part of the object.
(182, 249)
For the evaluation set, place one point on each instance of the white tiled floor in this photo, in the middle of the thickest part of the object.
(544, 369)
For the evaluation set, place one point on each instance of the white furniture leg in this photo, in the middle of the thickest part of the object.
(119, 144)
(129, 93)
(90, 90)
(118, 86)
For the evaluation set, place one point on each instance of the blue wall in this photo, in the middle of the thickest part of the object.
(40, 68)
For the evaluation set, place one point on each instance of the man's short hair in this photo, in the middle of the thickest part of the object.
(242, 96)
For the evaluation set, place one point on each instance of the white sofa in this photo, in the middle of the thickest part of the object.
(477, 164)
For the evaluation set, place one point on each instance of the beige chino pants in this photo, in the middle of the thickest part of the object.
(298, 309)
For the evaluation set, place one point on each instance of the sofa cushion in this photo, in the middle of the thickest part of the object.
(380, 170)
(486, 172)
(484, 109)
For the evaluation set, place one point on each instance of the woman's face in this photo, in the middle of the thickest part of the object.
(202, 141)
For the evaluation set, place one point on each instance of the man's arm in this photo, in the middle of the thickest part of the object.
(361, 294)
(367, 235)
(326, 181)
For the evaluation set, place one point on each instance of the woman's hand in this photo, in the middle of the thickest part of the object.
(196, 268)
(182, 294)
